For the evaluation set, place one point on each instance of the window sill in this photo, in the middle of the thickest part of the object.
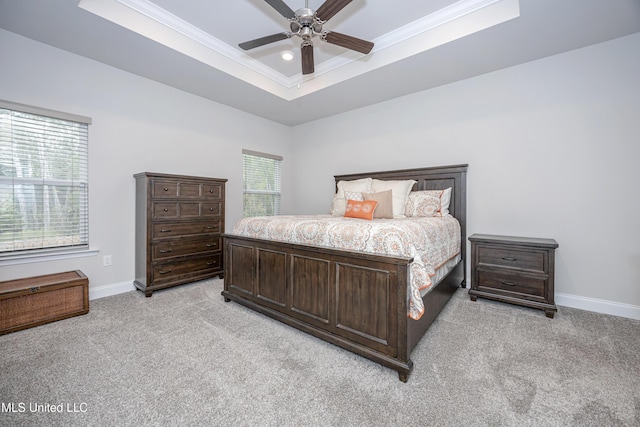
(29, 258)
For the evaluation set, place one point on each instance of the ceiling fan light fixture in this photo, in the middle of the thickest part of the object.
(286, 55)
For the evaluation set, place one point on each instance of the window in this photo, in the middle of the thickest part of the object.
(43, 180)
(261, 183)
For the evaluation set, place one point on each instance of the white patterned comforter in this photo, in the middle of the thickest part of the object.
(431, 241)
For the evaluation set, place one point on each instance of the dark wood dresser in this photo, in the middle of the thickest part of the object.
(517, 270)
(179, 221)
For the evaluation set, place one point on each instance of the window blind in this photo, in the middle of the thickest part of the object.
(43, 180)
(261, 183)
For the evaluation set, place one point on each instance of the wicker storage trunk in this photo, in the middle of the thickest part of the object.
(33, 301)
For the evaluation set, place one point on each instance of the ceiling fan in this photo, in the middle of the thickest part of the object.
(307, 23)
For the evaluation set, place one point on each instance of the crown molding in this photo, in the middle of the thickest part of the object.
(146, 18)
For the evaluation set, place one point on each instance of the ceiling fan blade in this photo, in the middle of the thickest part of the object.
(349, 42)
(307, 59)
(264, 40)
(330, 8)
(282, 8)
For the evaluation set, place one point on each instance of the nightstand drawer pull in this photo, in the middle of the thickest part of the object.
(508, 283)
(166, 230)
(509, 259)
(164, 272)
(165, 251)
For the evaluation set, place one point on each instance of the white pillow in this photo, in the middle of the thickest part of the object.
(357, 186)
(399, 193)
(445, 200)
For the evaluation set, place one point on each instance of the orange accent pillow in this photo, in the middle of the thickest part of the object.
(364, 210)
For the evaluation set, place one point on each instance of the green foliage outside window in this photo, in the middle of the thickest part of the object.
(261, 179)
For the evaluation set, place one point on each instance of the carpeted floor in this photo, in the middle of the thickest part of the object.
(184, 357)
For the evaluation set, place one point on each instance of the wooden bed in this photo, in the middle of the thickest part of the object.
(355, 300)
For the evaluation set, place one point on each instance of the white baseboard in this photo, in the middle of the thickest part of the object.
(598, 305)
(566, 300)
(108, 290)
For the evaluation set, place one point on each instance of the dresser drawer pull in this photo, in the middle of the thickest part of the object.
(166, 188)
(165, 209)
(34, 289)
(211, 245)
(212, 263)
(509, 283)
(210, 227)
(509, 259)
(165, 251)
(164, 272)
(210, 191)
(166, 231)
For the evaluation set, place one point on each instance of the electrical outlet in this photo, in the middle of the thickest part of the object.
(106, 260)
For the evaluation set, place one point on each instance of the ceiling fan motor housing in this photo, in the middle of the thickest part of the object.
(305, 24)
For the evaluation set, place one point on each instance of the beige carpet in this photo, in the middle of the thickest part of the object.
(184, 357)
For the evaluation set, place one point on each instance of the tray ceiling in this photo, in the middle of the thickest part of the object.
(193, 45)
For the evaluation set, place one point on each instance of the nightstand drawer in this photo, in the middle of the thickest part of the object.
(510, 257)
(511, 282)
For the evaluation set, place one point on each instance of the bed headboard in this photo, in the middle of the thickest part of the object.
(431, 178)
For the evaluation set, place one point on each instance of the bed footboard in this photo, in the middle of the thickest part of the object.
(357, 301)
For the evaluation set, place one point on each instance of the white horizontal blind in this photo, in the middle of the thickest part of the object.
(43, 180)
(261, 183)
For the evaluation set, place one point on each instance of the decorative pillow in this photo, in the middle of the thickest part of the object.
(357, 186)
(385, 207)
(428, 203)
(423, 203)
(352, 195)
(400, 192)
(364, 210)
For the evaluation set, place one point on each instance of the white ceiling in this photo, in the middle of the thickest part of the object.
(193, 45)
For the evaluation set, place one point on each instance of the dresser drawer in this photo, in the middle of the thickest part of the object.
(163, 230)
(211, 209)
(165, 189)
(509, 282)
(185, 210)
(212, 191)
(511, 257)
(182, 269)
(172, 189)
(180, 247)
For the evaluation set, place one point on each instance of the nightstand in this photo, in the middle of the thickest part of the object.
(517, 270)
